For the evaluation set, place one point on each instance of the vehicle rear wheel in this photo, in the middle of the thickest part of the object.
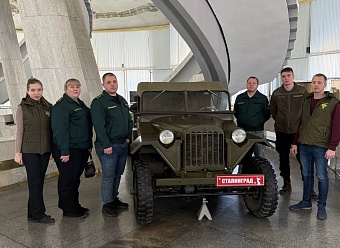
(262, 201)
(143, 197)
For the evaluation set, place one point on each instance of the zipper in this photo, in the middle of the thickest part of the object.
(289, 98)
(309, 122)
(41, 128)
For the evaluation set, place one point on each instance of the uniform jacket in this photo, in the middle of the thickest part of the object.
(36, 126)
(251, 112)
(285, 108)
(71, 125)
(111, 119)
(316, 127)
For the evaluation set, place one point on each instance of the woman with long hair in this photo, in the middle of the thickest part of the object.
(33, 146)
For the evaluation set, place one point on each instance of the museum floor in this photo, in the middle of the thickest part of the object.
(175, 223)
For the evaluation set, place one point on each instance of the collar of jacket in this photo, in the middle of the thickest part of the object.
(109, 97)
(328, 95)
(29, 101)
(295, 88)
(256, 95)
(69, 99)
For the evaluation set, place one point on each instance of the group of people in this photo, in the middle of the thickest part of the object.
(306, 125)
(65, 131)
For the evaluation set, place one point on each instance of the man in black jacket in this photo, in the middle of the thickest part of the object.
(285, 107)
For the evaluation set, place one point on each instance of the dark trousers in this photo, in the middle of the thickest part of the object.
(283, 144)
(36, 166)
(69, 177)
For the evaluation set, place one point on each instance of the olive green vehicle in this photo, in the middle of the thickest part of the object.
(188, 142)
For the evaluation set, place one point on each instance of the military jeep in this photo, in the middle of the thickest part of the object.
(189, 145)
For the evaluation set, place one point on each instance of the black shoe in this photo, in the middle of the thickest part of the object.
(108, 210)
(117, 203)
(287, 187)
(315, 195)
(30, 218)
(82, 209)
(46, 219)
(78, 214)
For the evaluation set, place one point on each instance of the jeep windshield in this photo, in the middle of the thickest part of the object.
(185, 101)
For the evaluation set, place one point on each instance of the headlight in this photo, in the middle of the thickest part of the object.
(238, 135)
(166, 137)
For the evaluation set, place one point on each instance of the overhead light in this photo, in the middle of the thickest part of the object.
(305, 1)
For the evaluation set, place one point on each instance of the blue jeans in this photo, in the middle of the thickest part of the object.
(113, 166)
(309, 156)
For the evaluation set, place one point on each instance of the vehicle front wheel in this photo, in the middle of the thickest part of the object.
(143, 197)
(262, 201)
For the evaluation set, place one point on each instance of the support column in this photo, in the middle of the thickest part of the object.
(55, 51)
(12, 65)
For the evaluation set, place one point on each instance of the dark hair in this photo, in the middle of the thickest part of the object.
(252, 77)
(108, 74)
(287, 69)
(320, 75)
(33, 81)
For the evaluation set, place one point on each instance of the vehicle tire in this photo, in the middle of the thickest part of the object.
(263, 201)
(143, 197)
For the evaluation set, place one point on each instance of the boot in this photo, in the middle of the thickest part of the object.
(287, 187)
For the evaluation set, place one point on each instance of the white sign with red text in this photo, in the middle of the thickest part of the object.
(240, 180)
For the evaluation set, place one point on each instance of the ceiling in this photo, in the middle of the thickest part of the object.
(115, 14)
(119, 14)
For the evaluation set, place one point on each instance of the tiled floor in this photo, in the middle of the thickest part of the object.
(175, 223)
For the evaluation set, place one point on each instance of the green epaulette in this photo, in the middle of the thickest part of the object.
(99, 96)
(61, 98)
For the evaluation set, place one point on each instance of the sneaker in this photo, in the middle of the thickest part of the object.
(314, 195)
(117, 203)
(109, 210)
(46, 219)
(322, 214)
(301, 205)
(77, 214)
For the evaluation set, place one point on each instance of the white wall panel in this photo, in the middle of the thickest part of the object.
(325, 28)
(303, 32)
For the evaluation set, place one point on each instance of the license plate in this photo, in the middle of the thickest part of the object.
(240, 180)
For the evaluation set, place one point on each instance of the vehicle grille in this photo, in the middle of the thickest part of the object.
(204, 149)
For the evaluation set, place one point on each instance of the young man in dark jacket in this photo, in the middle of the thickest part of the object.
(285, 107)
(113, 125)
(318, 136)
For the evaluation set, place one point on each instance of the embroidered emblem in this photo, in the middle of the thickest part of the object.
(297, 95)
(324, 105)
(60, 99)
(76, 109)
(48, 113)
(99, 96)
(112, 107)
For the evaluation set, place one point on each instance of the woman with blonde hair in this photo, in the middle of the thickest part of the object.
(33, 146)
(71, 146)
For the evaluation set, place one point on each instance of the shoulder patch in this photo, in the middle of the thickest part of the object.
(99, 96)
(60, 99)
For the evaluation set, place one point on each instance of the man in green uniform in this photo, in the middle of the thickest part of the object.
(113, 125)
(252, 111)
